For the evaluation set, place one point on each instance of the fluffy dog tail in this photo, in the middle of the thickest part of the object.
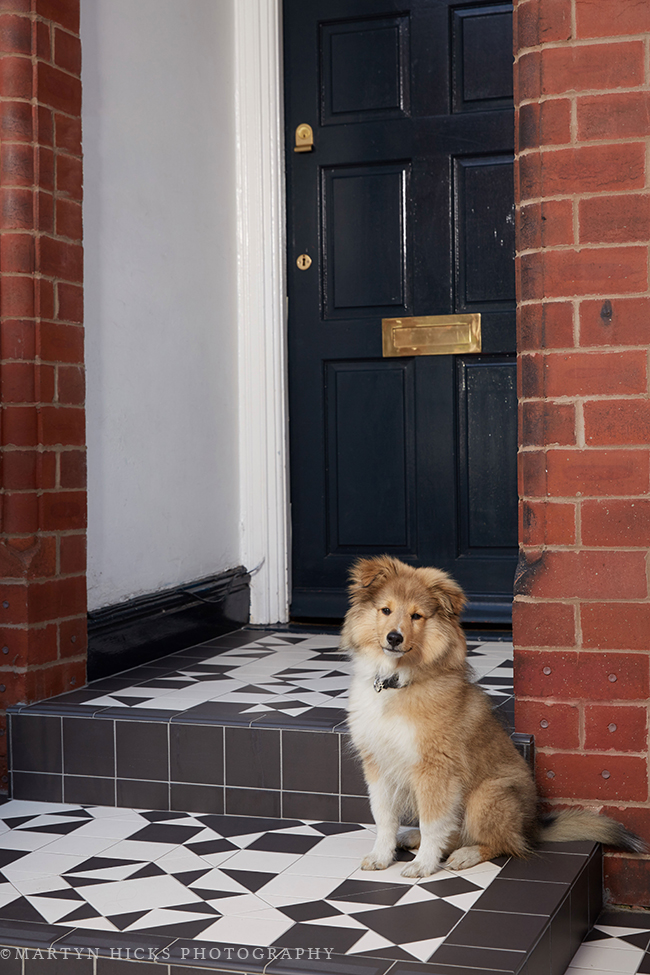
(580, 824)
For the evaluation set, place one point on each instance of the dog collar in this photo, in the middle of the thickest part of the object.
(381, 683)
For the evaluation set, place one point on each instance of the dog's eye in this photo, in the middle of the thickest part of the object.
(386, 611)
(416, 616)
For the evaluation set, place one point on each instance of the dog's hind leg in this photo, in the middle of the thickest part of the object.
(384, 803)
(496, 822)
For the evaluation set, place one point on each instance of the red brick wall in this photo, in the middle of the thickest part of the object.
(42, 446)
(582, 612)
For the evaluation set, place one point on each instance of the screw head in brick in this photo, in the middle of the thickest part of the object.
(5, 649)
(2, 688)
(5, 604)
(550, 774)
(612, 678)
(73, 639)
(543, 723)
(5, 778)
(546, 670)
(73, 681)
(611, 727)
(605, 774)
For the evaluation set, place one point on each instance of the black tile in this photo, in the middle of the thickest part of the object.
(337, 965)
(56, 966)
(310, 911)
(422, 921)
(563, 944)
(352, 780)
(582, 847)
(538, 961)
(323, 719)
(595, 872)
(316, 935)
(196, 798)
(355, 810)
(39, 786)
(644, 967)
(36, 743)
(89, 790)
(142, 795)
(285, 843)
(448, 957)
(252, 758)
(196, 753)
(208, 955)
(175, 833)
(88, 747)
(487, 929)
(252, 802)
(560, 868)
(12, 965)
(310, 762)
(111, 966)
(141, 715)
(431, 968)
(624, 918)
(310, 805)
(107, 943)
(141, 750)
(519, 897)
(30, 935)
(212, 712)
(580, 906)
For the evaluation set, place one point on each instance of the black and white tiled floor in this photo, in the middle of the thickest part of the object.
(263, 678)
(192, 887)
(618, 943)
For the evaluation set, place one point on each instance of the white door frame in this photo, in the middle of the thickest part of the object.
(262, 306)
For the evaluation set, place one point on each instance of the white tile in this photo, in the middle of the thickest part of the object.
(247, 930)
(298, 888)
(339, 921)
(464, 901)
(422, 950)
(245, 904)
(91, 924)
(41, 864)
(140, 850)
(138, 895)
(592, 957)
(417, 894)
(159, 917)
(8, 893)
(315, 866)
(87, 846)
(52, 909)
(616, 931)
(356, 844)
(17, 839)
(261, 860)
(109, 828)
(371, 941)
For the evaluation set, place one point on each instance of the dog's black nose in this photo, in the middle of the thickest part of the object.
(395, 638)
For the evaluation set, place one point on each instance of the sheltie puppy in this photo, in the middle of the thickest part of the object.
(429, 742)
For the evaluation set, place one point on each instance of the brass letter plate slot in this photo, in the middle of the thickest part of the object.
(431, 335)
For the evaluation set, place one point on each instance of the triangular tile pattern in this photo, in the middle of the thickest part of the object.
(275, 673)
(618, 942)
(222, 879)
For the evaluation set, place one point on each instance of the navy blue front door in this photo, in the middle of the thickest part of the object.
(403, 207)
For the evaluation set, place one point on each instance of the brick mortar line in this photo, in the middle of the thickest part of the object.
(587, 246)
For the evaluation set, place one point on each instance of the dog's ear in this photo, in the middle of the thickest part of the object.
(446, 591)
(366, 575)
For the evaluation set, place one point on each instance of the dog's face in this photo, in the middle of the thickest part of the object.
(398, 611)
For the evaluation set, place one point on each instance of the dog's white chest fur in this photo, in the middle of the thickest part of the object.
(379, 728)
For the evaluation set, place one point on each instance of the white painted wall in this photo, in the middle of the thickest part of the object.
(161, 293)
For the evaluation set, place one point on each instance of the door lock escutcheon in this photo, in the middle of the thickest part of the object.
(304, 138)
(304, 262)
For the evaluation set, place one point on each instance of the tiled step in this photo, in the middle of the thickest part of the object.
(139, 892)
(251, 723)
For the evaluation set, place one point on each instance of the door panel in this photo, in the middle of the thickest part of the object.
(405, 206)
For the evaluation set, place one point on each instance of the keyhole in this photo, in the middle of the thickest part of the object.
(303, 262)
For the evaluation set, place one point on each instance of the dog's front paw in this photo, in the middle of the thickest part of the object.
(419, 868)
(375, 862)
(408, 839)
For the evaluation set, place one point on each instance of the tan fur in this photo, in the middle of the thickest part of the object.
(432, 748)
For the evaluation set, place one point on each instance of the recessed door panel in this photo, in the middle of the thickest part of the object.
(482, 63)
(487, 458)
(364, 69)
(371, 448)
(364, 239)
(485, 233)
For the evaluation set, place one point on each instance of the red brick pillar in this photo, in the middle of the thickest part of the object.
(582, 612)
(43, 499)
